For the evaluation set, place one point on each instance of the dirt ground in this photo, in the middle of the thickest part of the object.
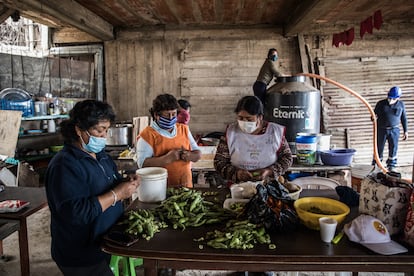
(41, 263)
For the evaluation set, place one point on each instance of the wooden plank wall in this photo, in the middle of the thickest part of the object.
(370, 66)
(210, 68)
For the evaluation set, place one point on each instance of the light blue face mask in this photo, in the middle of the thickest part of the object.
(95, 144)
(274, 57)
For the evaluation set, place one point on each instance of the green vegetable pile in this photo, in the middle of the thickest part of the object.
(187, 208)
(184, 208)
(319, 211)
(143, 223)
(237, 235)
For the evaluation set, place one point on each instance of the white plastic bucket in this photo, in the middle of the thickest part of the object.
(153, 187)
(324, 142)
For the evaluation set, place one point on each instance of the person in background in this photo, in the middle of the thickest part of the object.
(84, 191)
(183, 115)
(390, 112)
(252, 149)
(167, 144)
(266, 74)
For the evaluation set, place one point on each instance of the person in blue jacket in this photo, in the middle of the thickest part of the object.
(84, 191)
(390, 112)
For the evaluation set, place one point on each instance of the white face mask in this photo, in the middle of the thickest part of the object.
(248, 127)
(392, 101)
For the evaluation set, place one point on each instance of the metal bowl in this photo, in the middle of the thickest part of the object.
(210, 141)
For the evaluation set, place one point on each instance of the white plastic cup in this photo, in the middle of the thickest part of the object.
(236, 191)
(327, 228)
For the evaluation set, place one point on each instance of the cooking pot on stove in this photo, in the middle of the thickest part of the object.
(119, 134)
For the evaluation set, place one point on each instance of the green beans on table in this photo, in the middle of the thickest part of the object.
(237, 235)
(143, 223)
(185, 207)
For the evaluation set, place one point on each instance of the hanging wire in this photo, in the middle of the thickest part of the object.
(60, 77)
(23, 77)
(43, 73)
(12, 68)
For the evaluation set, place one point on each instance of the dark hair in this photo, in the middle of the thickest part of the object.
(251, 104)
(163, 102)
(184, 104)
(269, 53)
(84, 115)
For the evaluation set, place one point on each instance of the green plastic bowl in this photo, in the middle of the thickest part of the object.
(56, 148)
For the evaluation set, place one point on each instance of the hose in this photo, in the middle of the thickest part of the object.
(371, 111)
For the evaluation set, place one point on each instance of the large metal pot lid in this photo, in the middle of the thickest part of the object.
(14, 94)
(121, 125)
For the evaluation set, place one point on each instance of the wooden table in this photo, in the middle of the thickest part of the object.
(38, 200)
(300, 250)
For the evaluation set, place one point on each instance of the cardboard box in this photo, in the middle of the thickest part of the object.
(207, 158)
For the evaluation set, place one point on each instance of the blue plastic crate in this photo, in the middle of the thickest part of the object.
(25, 106)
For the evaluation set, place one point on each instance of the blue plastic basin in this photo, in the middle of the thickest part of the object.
(337, 157)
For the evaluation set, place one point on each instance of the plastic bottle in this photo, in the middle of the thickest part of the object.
(51, 108)
(51, 126)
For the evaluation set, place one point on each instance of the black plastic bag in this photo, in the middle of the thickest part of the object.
(272, 207)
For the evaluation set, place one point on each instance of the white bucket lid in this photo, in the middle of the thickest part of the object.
(152, 172)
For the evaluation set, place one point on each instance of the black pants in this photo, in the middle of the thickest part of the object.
(101, 269)
(259, 90)
(391, 135)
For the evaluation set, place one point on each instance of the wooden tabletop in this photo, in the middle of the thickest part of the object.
(35, 195)
(300, 250)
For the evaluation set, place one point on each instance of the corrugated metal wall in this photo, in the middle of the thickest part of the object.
(371, 77)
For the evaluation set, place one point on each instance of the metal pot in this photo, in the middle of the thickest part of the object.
(118, 135)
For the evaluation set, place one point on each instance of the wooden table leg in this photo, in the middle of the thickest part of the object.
(151, 267)
(24, 249)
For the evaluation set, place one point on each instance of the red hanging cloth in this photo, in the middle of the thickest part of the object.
(377, 19)
(350, 35)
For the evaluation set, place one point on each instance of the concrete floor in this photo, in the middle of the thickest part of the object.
(41, 263)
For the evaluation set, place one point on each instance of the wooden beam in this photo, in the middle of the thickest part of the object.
(5, 12)
(72, 35)
(305, 15)
(69, 12)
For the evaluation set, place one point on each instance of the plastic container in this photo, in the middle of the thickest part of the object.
(337, 157)
(310, 209)
(25, 106)
(306, 149)
(153, 187)
(293, 103)
(40, 108)
(51, 126)
(236, 191)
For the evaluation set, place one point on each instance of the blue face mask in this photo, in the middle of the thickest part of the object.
(95, 144)
(274, 58)
(166, 123)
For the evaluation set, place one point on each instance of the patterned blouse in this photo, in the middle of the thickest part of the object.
(223, 165)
